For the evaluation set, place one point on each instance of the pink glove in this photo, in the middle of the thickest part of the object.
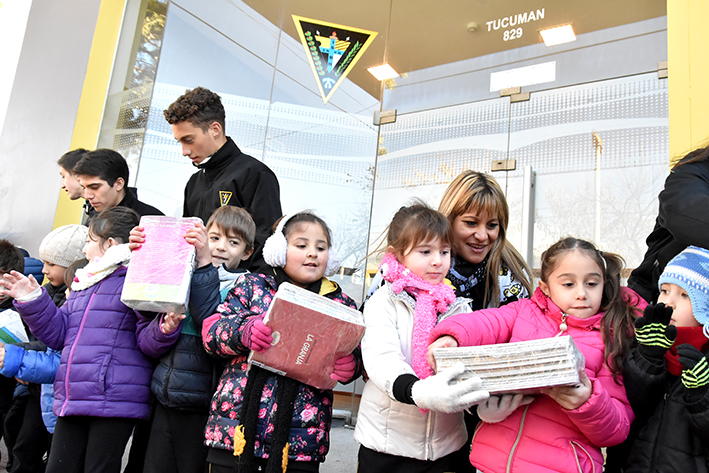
(344, 368)
(257, 336)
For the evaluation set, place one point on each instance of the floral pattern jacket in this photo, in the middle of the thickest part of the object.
(310, 427)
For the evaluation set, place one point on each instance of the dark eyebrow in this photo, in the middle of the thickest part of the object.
(568, 275)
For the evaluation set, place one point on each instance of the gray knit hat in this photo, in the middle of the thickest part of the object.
(690, 271)
(63, 245)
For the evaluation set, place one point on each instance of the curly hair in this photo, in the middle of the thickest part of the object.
(199, 106)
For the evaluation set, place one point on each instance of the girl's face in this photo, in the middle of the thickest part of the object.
(430, 260)
(677, 298)
(306, 254)
(95, 247)
(474, 233)
(575, 285)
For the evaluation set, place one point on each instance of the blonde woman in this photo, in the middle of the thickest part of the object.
(485, 268)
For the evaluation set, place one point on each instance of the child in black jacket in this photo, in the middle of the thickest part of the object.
(667, 374)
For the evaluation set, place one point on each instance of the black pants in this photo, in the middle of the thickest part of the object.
(139, 446)
(176, 442)
(223, 461)
(370, 461)
(31, 440)
(89, 444)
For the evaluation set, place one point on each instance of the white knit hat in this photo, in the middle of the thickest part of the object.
(63, 245)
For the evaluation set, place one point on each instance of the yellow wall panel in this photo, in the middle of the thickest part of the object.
(93, 96)
(688, 69)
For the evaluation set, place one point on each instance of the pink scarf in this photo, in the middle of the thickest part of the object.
(431, 300)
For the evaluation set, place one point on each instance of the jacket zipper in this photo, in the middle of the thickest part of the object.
(654, 447)
(71, 355)
(429, 429)
(516, 442)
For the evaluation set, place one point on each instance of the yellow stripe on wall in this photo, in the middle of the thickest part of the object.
(688, 69)
(93, 96)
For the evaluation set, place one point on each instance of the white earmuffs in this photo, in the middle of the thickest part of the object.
(275, 247)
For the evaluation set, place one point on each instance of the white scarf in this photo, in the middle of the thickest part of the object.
(99, 269)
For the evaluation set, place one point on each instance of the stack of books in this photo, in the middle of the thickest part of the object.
(519, 366)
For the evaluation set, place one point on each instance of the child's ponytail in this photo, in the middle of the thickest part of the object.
(619, 313)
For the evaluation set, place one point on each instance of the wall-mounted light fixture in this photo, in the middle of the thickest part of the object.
(383, 72)
(558, 35)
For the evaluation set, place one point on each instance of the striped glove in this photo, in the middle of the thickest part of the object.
(695, 375)
(654, 333)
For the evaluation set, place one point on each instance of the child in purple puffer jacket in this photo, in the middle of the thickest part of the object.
(102, 387)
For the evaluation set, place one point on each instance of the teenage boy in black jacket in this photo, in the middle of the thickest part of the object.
(226, 176)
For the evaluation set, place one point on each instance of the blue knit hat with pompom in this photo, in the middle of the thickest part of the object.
(690, 271)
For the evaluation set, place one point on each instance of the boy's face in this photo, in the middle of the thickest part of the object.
(71, 184)
(198, 144)
(54, 273)
(677, 298)
(100, 194)
(229, 250)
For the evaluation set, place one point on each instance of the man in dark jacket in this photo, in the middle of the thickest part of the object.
(104, 176)
(226, 176)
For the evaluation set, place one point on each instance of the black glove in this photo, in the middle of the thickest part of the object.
(654, 333)
(695, 375)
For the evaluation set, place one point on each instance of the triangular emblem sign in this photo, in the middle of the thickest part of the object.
(332, 50)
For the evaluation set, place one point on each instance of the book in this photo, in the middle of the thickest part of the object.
(309, 333)
(160, 271)
(12, 330)
(517, 367)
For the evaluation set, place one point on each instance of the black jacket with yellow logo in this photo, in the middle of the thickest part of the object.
(231, 177)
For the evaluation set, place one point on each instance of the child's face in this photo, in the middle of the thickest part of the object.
(306, 254)
(94, 247)
(677, 298)
(54, 273)
(229, 250)
(575, 285)
(430, 260)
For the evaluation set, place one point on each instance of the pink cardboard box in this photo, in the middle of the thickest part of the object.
(159, 273)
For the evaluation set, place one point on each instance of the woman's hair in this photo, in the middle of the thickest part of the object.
(476, 192)
(304, 217)
(619, 314)
(115, 223)
(418, 223)
(699, 154)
